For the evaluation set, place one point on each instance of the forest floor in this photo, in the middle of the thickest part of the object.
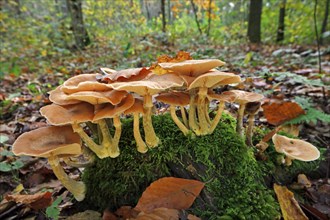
(23, 91)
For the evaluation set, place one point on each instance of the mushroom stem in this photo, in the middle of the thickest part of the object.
(150, 136)
(141, 146)
(239, 126)
(108, 143)
(77, 188)
(192, 115)
(89, 158)
(184, 116)
(249, 130)
(97, 149)
(207, 116)
(201, 110)
(177, 121)
(288, 161)
(217, 117)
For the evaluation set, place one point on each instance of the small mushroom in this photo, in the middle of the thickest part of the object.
(295, 149)
(136, 109)
(53, 143)
(147, 88)
(112, 111)
(174, 99)
(242, 98)
(192, 67)
(203, 83)
(251, 110)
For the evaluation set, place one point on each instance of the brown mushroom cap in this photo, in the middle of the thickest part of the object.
(57, 96)
(83, 82)
(47, 141)
(109, 110)
(295, 148)
(192, 67)
(132, 74)
(214, 78)
(68, 114)
(98, 97)
(243, 97)
(151, 85)
(174, 98)
(136, 107)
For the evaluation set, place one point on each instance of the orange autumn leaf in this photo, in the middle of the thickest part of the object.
(180, 56)
(36, 201)
(289, 206)
(278, 113)
(159, 213)
(169, 192)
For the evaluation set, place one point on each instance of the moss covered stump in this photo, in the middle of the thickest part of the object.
(234, 186)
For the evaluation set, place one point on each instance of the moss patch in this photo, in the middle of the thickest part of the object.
(234, 181)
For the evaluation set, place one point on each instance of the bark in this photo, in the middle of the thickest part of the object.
(163, 15)
(254, 23)
(169, 16)
(209, 21)
(281, 24)
(325, 20)
(196, 18)
(79, 31)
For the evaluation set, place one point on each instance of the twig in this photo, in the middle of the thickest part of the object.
(209, 21)
(196, 18)
(317, 37)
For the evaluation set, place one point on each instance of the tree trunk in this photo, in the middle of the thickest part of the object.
(325, 20)
(254, 23)
(209, 21)
(163, 15)
(169, 15)
(79, 31)
(196, 18)
(281, 24)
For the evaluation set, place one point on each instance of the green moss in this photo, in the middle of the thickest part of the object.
(234, 181)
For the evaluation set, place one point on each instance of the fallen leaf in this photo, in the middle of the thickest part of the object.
(36, 201)
(278, 113)
(86, 215)
(169, 192)
(126, 212)
(107, 215)
(159, 213)
(289, 206)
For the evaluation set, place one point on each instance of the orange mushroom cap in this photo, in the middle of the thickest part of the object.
(47, 141)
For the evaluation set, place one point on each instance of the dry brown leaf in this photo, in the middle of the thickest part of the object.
(180, 56)
(169, 192)
(278, 113)
(159, 214)
(126, 212)
(289, 206)
(36, 201)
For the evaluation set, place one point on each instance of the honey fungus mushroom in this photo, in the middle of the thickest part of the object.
(295, 149)
(53, 143)
(146, 88)
(174, 99)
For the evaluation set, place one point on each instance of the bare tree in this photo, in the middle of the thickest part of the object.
(209, 12)
(281, 24)
(162, 5)
(77, 23)
(254, 23)
(196, 18)
(325, 20)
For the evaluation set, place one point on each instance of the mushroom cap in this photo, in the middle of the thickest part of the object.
(252, 108)
(214, 78)
(98, 97)
(110, 111)
(57, 96)
(174, 98)
(192, 67)
(68, 114)
(83, 82)
(132, 74)
(243, 97)
(136, 107)
(151, 85)
(48, 141)
(295, 148)
(220, 97)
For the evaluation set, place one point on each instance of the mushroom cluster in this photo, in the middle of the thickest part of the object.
(88, 108)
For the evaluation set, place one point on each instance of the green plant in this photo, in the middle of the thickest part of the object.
(10, 165)
(53, 211)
